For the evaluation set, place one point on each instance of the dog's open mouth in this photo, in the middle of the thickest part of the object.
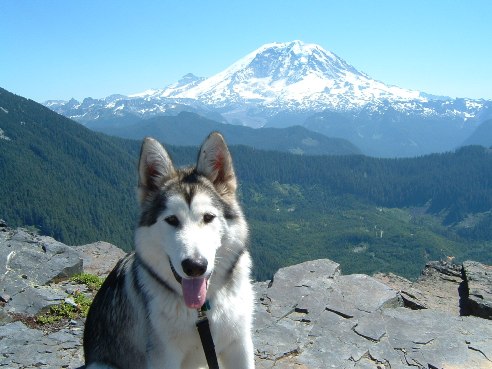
(194, 289)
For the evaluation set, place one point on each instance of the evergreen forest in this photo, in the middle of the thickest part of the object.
(368, 214)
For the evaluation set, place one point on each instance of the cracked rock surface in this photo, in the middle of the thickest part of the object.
(23, 347)
(478, 279)
(29, 264)
(99, 257)
(309, 316)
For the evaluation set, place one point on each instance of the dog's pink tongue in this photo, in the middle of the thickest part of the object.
(194, 292)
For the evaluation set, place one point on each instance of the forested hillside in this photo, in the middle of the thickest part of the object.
(368, 214)
(67, 181)
(457, 183)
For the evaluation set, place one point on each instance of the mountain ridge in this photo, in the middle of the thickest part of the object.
(481, 136)
(266, 74)
(189, 129)
(296, 81)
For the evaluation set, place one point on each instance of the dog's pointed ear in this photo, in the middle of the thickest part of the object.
(154, 167)
(215, 163)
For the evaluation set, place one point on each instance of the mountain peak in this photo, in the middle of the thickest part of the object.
(296, 47)
(185, 83)
(291, 75)
(297, 59)
(189, 78)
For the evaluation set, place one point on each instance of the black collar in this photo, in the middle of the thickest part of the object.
(153, 274)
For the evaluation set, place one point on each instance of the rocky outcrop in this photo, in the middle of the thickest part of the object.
(23, 347)
(99, 258)
(33, 271)
(456, 289)
(477, 293)
(309, 316)
(437, 288)
(29, 264)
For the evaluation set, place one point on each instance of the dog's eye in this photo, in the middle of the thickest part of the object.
(208, 218)
(172, 220)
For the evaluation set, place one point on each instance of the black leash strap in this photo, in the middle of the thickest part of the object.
(206, 337)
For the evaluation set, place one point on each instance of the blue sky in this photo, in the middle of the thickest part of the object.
(57, 49)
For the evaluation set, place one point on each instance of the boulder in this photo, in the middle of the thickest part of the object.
(29, 264)
(438, 287)
(24, 347)
(99, 257)
(478, 279)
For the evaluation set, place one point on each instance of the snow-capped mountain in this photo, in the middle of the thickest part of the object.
(295, 76)
(293, 80)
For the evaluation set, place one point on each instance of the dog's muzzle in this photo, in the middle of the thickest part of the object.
(194, 288)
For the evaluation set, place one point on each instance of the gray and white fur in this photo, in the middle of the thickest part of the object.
(191, 241)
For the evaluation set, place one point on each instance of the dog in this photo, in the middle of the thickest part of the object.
(191, 249)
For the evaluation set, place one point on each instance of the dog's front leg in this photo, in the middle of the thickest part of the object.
(238, 355)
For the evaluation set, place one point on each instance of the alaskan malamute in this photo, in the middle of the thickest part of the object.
(190, 251)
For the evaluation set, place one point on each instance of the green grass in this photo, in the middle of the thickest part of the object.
(66, 310)
(93, 282)
(82, 301)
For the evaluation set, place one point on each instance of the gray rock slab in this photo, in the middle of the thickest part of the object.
(35, 300)
(424, 337)
(392, 338)
(28, 264)
(41, 260)
(437, 288)
(99, 257)
(365, 294)
(371, 327)
(479, 280)
(291, 287)
(356, 321)
(309, 273)
(23, 347)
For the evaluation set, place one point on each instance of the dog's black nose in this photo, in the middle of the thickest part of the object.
(194, 267)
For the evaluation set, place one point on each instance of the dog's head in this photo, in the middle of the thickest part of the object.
(187, 214)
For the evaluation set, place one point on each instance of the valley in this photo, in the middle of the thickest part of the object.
(369, 214)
